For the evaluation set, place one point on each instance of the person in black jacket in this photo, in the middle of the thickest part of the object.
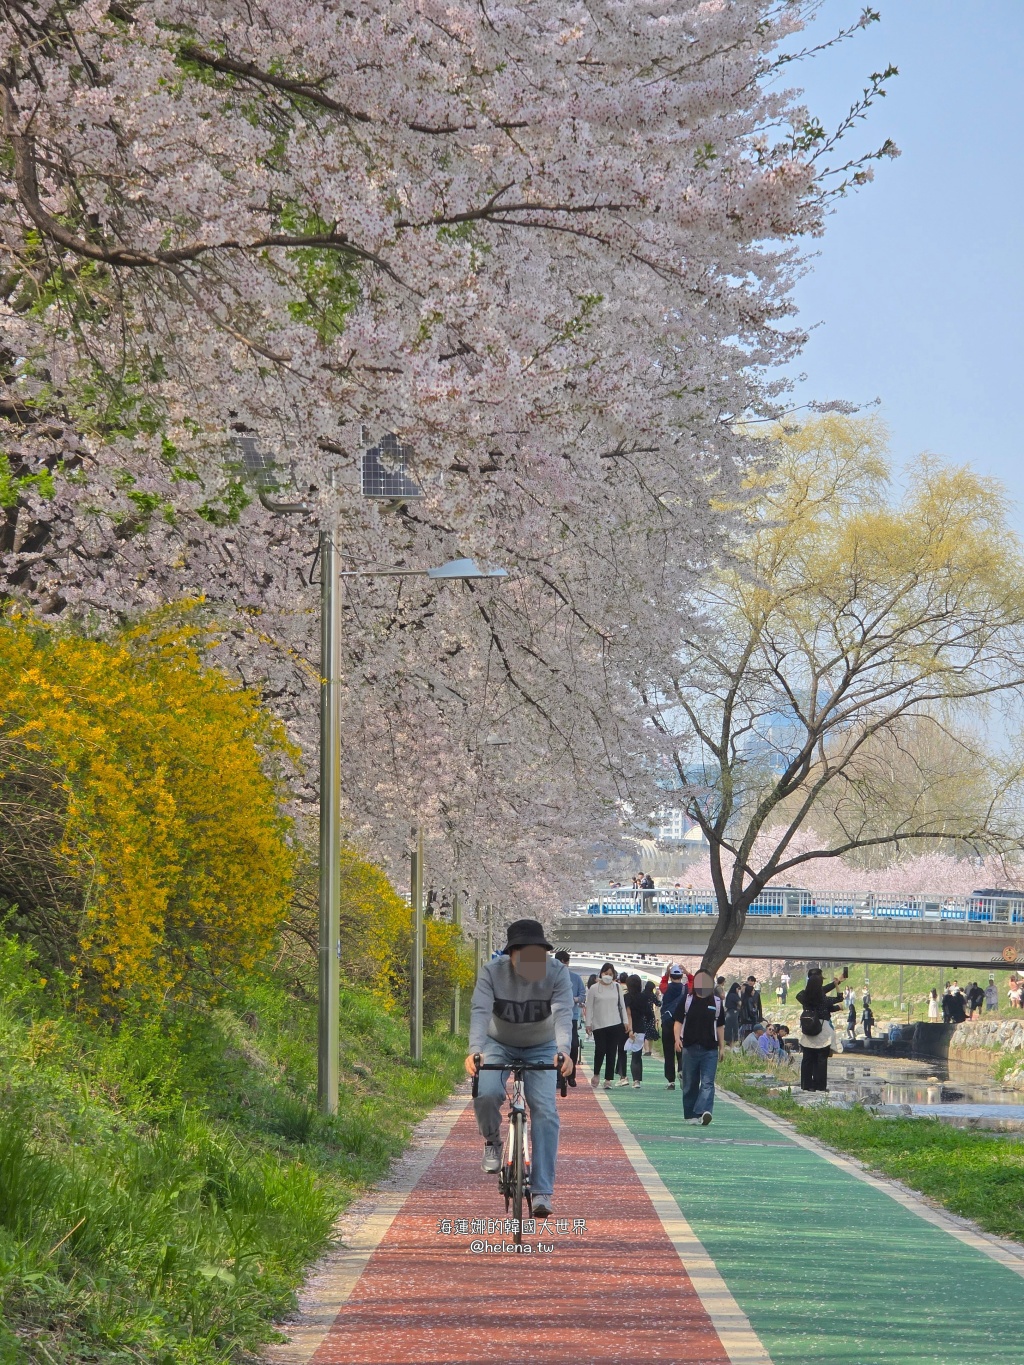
(640, 1017)
(817, 1048)
(674, 993)
(750, 1007)
(732, 1014)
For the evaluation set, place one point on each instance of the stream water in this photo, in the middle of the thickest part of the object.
(928, 1086)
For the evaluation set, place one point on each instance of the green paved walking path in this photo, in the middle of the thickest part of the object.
(824, 1266)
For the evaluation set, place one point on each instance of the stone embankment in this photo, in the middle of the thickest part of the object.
(985, 1042)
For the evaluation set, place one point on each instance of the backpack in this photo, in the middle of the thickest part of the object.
(810, 1024)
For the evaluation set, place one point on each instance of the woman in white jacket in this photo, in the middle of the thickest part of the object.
(607, 1023)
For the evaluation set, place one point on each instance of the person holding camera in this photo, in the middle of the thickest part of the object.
(817, 1034)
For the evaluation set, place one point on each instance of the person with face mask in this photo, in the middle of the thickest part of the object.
(522, 1011)
(700, 1041)
(607, 1024)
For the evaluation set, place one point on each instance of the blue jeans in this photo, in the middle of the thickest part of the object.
(699, 1067)
(540, 1098)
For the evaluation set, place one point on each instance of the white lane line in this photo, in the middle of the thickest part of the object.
(361, 1228)
(741, 1343)
(1006, 1253)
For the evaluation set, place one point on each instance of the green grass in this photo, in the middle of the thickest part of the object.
(164, 1187)
(884, 983)
(974, 1174)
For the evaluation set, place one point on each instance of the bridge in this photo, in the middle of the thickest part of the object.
(981, 932)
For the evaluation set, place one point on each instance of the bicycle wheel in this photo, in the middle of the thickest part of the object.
(518, 1173)
(505, 1175)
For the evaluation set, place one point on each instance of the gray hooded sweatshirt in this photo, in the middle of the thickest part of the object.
(521, 1013)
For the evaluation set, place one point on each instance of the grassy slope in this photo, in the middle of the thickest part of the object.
(884, 985)
(162, 1190)
(977, 1175)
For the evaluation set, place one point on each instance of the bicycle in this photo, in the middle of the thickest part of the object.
(514, 1172)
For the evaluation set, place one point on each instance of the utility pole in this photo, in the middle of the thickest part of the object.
(456, 990)
(416, 956)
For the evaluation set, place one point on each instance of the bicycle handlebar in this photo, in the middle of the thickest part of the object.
(520, 1066)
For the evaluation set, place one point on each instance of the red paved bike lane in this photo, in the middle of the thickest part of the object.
(618, 1292)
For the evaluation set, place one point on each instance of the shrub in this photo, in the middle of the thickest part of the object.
(141, 839)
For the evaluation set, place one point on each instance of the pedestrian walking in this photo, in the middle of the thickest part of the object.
(620, 1056)
(975, 999)
(934, 1008)
(732, 1014)
(606, 1023)
(991, 995)
(851, 1022)
(700, 1040)
(670, 998)
(653, 1011)
(579, 1000)
(636, 1027)
(817, 1034)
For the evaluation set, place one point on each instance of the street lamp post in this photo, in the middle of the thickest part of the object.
(329, 937)
(456, 991)
(416, 955)
(393, 486)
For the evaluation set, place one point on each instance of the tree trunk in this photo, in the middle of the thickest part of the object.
(731, 918)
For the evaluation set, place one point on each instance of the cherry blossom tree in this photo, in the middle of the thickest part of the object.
(551, 246)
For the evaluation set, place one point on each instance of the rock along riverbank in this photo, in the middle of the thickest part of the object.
(985, 1042)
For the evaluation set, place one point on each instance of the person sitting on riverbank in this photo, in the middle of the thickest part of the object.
(755, 1044)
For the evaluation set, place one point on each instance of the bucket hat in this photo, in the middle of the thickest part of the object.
(525, 933)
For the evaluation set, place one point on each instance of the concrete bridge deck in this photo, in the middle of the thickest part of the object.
(922, 943)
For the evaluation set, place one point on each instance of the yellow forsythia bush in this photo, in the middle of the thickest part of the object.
(376, 935)
(168, 780)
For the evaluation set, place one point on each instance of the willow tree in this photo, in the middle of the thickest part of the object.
(846, 622)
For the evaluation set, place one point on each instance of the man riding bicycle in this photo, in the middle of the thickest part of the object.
(522, 1012)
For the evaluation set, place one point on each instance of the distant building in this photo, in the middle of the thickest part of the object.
(675, 827)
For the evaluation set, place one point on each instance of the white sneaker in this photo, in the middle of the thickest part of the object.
(705, 1118)
(622, 1081)
(671, 1085)
(607, 1085)
(492, 1159)
(692, 1120)
(636, 1085)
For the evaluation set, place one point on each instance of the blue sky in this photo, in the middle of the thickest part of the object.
(918, 289)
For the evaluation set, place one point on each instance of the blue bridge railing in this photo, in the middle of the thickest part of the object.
(794, 902)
